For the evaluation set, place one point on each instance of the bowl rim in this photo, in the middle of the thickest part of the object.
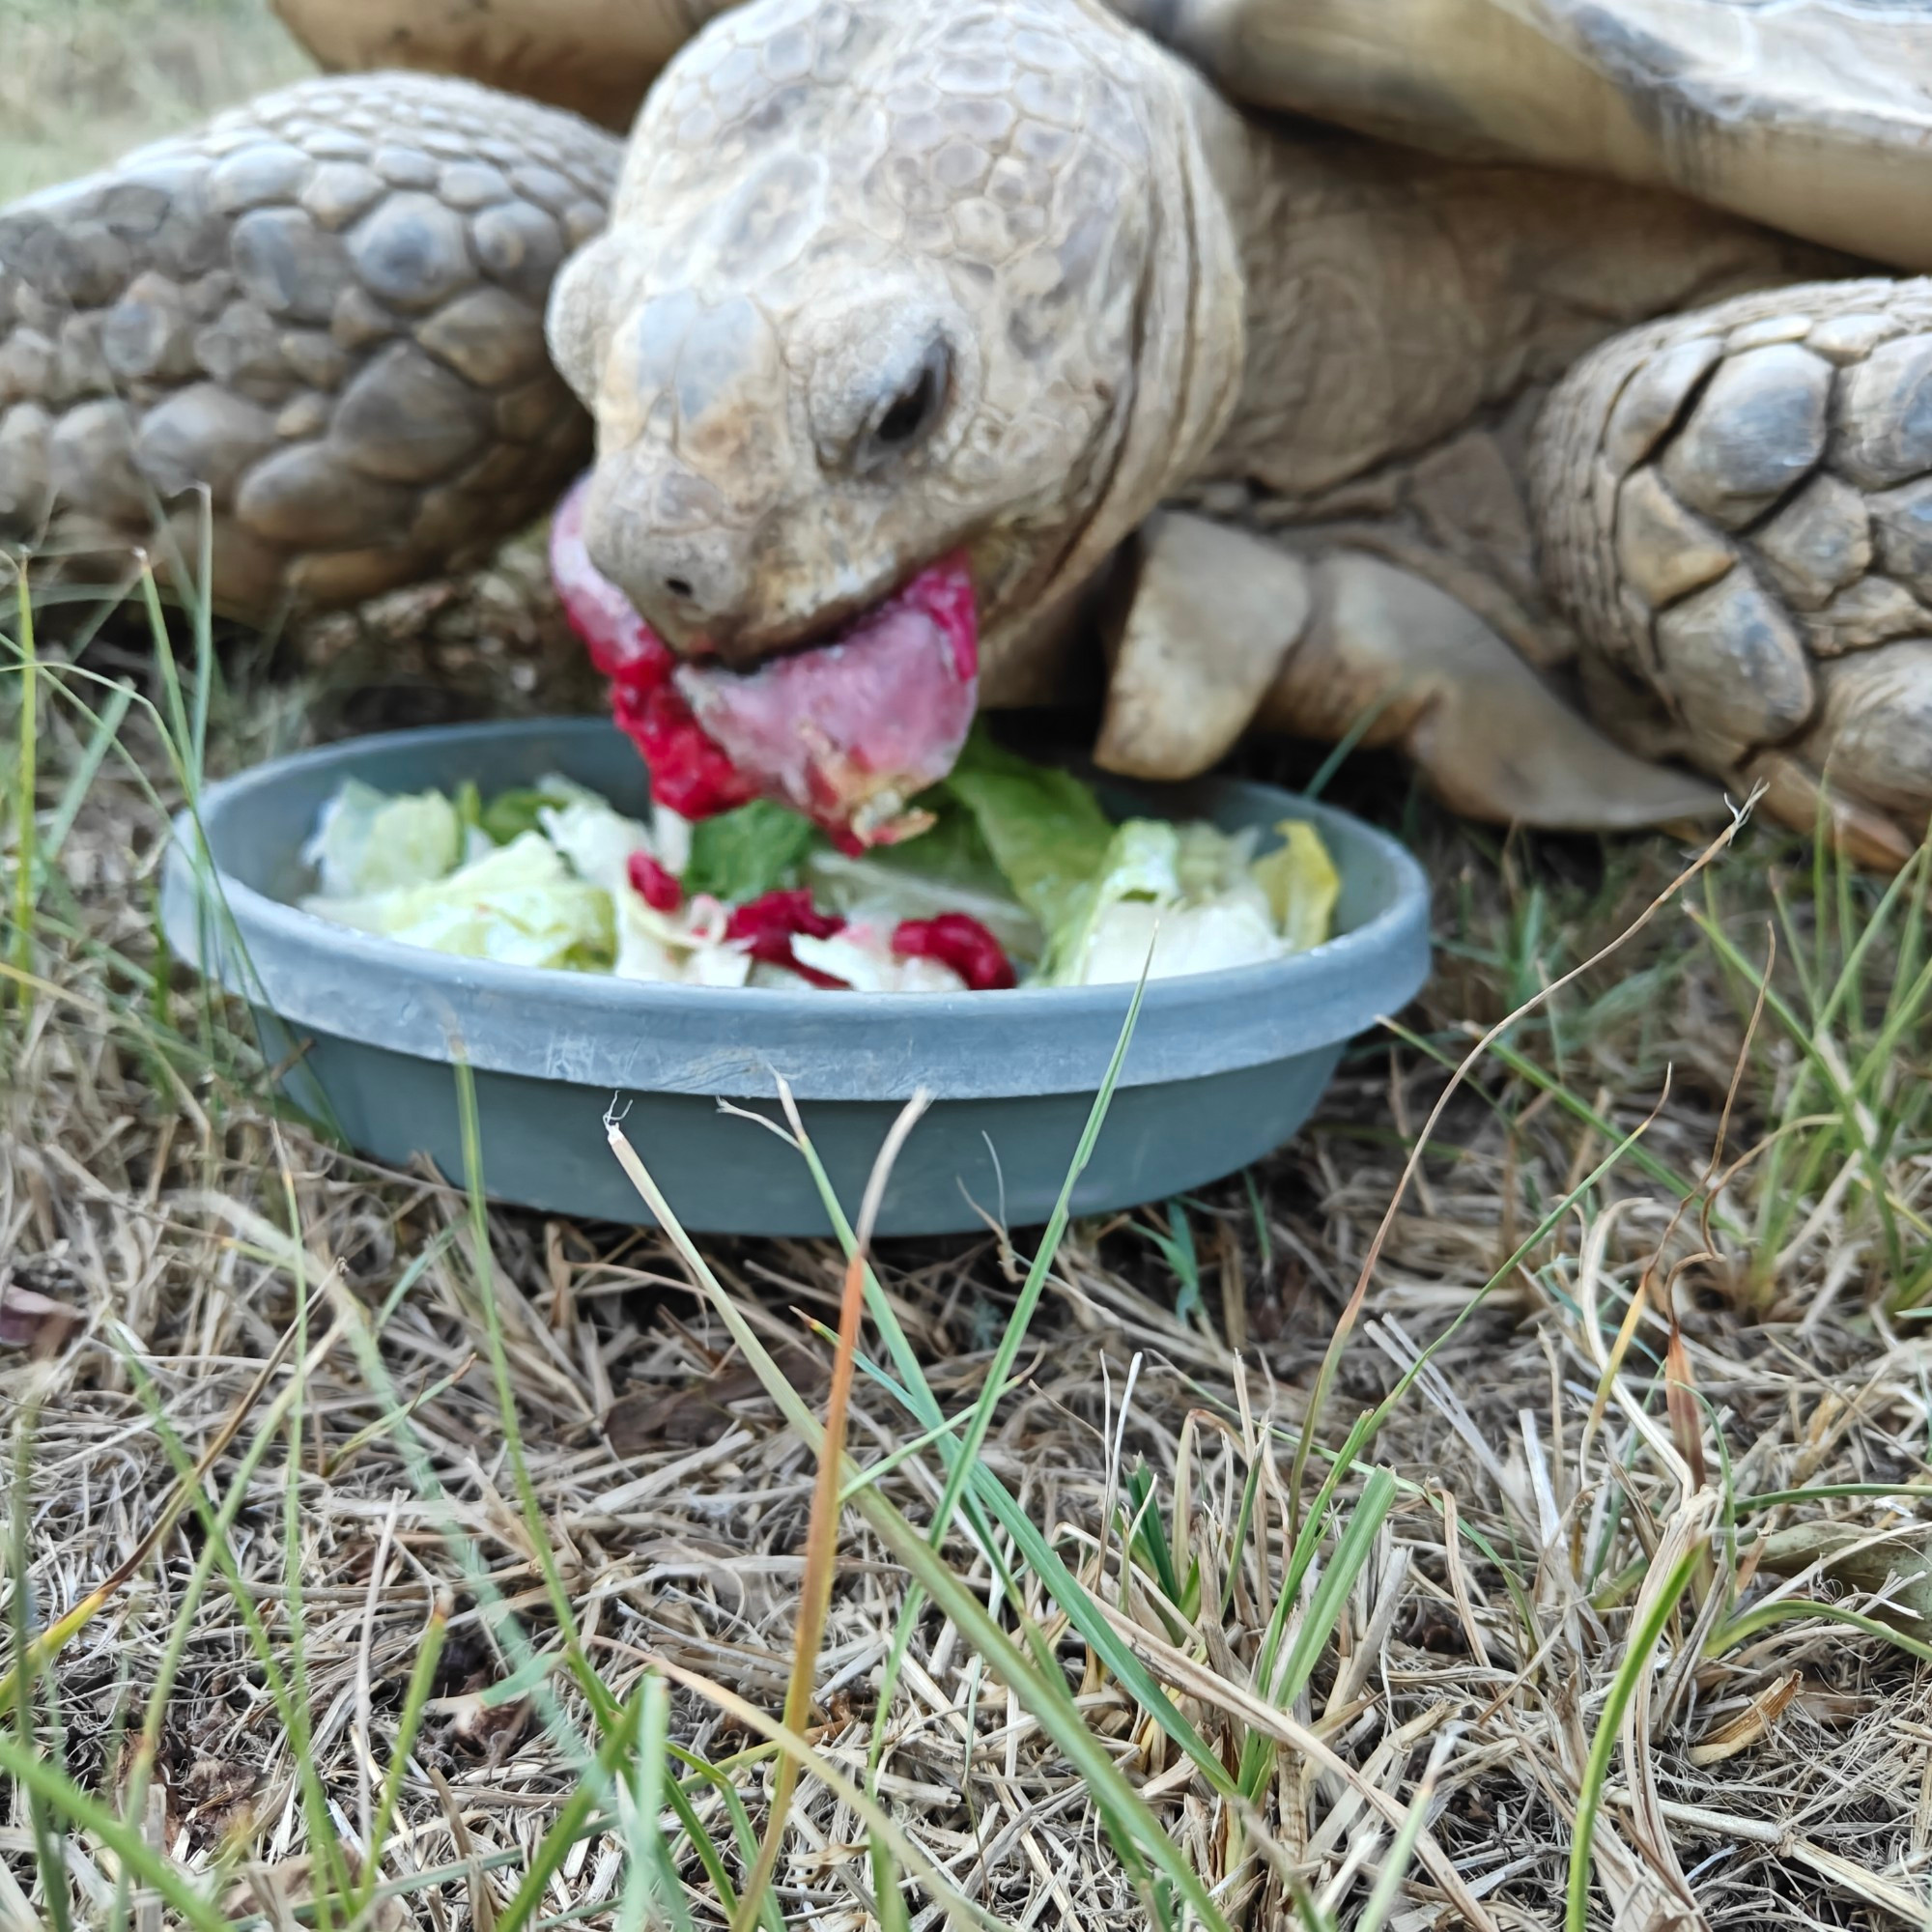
(729, 1041)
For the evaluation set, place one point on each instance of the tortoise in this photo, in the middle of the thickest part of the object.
(1530, 384)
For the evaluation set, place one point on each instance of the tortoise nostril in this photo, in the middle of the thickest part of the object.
(910, 408)
(679, 586)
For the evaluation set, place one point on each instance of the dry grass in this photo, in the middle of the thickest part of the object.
(1774, 1765)
(84, 80)
(1642, 1543)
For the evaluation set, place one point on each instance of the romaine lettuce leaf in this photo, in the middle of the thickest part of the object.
(952, 851)
(1043, 828)
(509, 814)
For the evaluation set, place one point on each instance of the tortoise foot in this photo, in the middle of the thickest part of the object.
(325, 310)
(1228, 632)
(1736, 511)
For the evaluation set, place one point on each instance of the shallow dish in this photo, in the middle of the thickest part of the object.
(1223, 1067)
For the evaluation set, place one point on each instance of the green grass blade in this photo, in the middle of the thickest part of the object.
(422, 1676)
(1597, 1765)
(1133, 1829)
(88, 1814)
(26, 794)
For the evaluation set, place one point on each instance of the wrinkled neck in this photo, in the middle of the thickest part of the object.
(1213, 147)
(1189, 350)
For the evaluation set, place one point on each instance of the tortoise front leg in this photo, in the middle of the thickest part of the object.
(1225, 631)
(326, 309)
(1735, 509)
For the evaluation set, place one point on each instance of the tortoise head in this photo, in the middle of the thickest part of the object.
(884, 283)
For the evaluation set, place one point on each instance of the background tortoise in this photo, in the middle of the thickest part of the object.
(1582, 383)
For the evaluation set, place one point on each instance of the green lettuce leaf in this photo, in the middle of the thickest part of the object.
(741, 854)
(1043, 828)
(951, 851)
(509, 814)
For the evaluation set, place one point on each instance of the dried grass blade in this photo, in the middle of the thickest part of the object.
(128, 1845)
(1750, 1725)
(51, 1640)
(1680, 1402)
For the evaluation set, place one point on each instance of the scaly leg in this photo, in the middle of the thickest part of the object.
(326, 307)
(1736, 512)
(1226, 632)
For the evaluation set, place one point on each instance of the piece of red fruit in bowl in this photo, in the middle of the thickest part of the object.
(766, 926)
(847, 731)
(654, 883)
(957, 939)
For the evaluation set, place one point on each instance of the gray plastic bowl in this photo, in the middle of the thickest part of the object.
(1223, 1067)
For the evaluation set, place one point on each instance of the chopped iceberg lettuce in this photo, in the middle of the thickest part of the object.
(521, 904)
(872, 892)
(1021, 855)
(369, 842)
(1301, 884)
(862, 956)
(688, 947)
(1192, 899)
(597, 841)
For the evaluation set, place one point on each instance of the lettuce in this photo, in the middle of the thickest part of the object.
(1043, 828)
(873, 892)
(511, 814)
(540, 877)
(743, 853)
(521, 904)
(367, 842)
(597, 843)
(863, 956)
(1191, 898)
(951, 852)
(1301, 884)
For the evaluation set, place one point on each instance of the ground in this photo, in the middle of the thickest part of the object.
(1507, 1516)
